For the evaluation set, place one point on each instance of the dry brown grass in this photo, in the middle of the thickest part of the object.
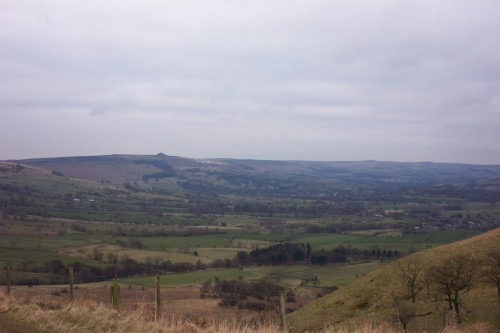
(87, 316)
(386, 328)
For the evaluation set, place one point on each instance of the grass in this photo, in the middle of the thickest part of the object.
(90, 318)
(193, 277)
(173, 256)
(325, 241)
(47, 242)
(17, 255)
(393, 241)
(217, 240)
(83, 316)
(338, 275)
(291, 275)
(39, 241)
(11, 324)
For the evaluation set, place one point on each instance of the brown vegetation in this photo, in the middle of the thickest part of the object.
(22, 315)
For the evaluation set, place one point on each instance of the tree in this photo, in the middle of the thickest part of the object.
(308, 250)
(491, 269)
(97, 254)
(55, 266)
(411, 273)
(406, 312)
(452, 279)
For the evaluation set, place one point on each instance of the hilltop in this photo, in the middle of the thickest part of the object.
(372, 297)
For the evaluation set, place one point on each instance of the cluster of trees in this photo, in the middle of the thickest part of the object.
(157, 175)
(252, 295)
(133, 232)
(316, 208)
(289, 253)
(446, 282)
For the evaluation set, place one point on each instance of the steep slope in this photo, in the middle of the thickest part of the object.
(373, 296)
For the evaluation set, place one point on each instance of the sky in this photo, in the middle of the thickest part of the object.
(327, 80)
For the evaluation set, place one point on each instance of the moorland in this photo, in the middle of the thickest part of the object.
(229, 236)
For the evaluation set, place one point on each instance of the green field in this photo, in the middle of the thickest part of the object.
(46, 218)
(40, 241)
(192, 277)
(338, 275)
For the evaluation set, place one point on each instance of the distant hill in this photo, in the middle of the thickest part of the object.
(116, 169)
(372, 297)
(301, 178)
(10, 168)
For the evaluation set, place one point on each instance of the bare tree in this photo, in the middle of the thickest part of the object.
(491, 269)
(452, 279)
(412, 272)
(406, 312)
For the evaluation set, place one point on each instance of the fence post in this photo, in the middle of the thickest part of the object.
(8, 277)
(283, 313)
(115, 295)
(158, 298)
(71, 280)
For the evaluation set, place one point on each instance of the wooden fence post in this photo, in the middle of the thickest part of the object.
(158, 298)
(283, 313)
(71, 280)
(115, 295)
(8, 277)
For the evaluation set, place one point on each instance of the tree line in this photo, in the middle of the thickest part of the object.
(290, 253)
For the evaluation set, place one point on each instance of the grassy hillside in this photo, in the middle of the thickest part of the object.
(373, 297)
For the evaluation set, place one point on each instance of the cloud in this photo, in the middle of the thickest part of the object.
(261, 79)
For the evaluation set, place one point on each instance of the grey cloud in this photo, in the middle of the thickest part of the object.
(346, 76)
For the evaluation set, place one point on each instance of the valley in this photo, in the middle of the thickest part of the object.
(307, 228)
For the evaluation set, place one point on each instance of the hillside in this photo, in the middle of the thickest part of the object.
(372, 298)
(116, 169)
(272, 178)
(10, 168)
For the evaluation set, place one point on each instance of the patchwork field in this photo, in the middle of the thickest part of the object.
(301, 228)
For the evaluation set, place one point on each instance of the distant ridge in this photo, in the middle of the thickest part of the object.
(225, 175)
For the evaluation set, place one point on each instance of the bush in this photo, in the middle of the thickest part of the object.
(228, 302)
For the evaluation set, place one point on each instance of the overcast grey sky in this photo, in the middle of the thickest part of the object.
(264, 79)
